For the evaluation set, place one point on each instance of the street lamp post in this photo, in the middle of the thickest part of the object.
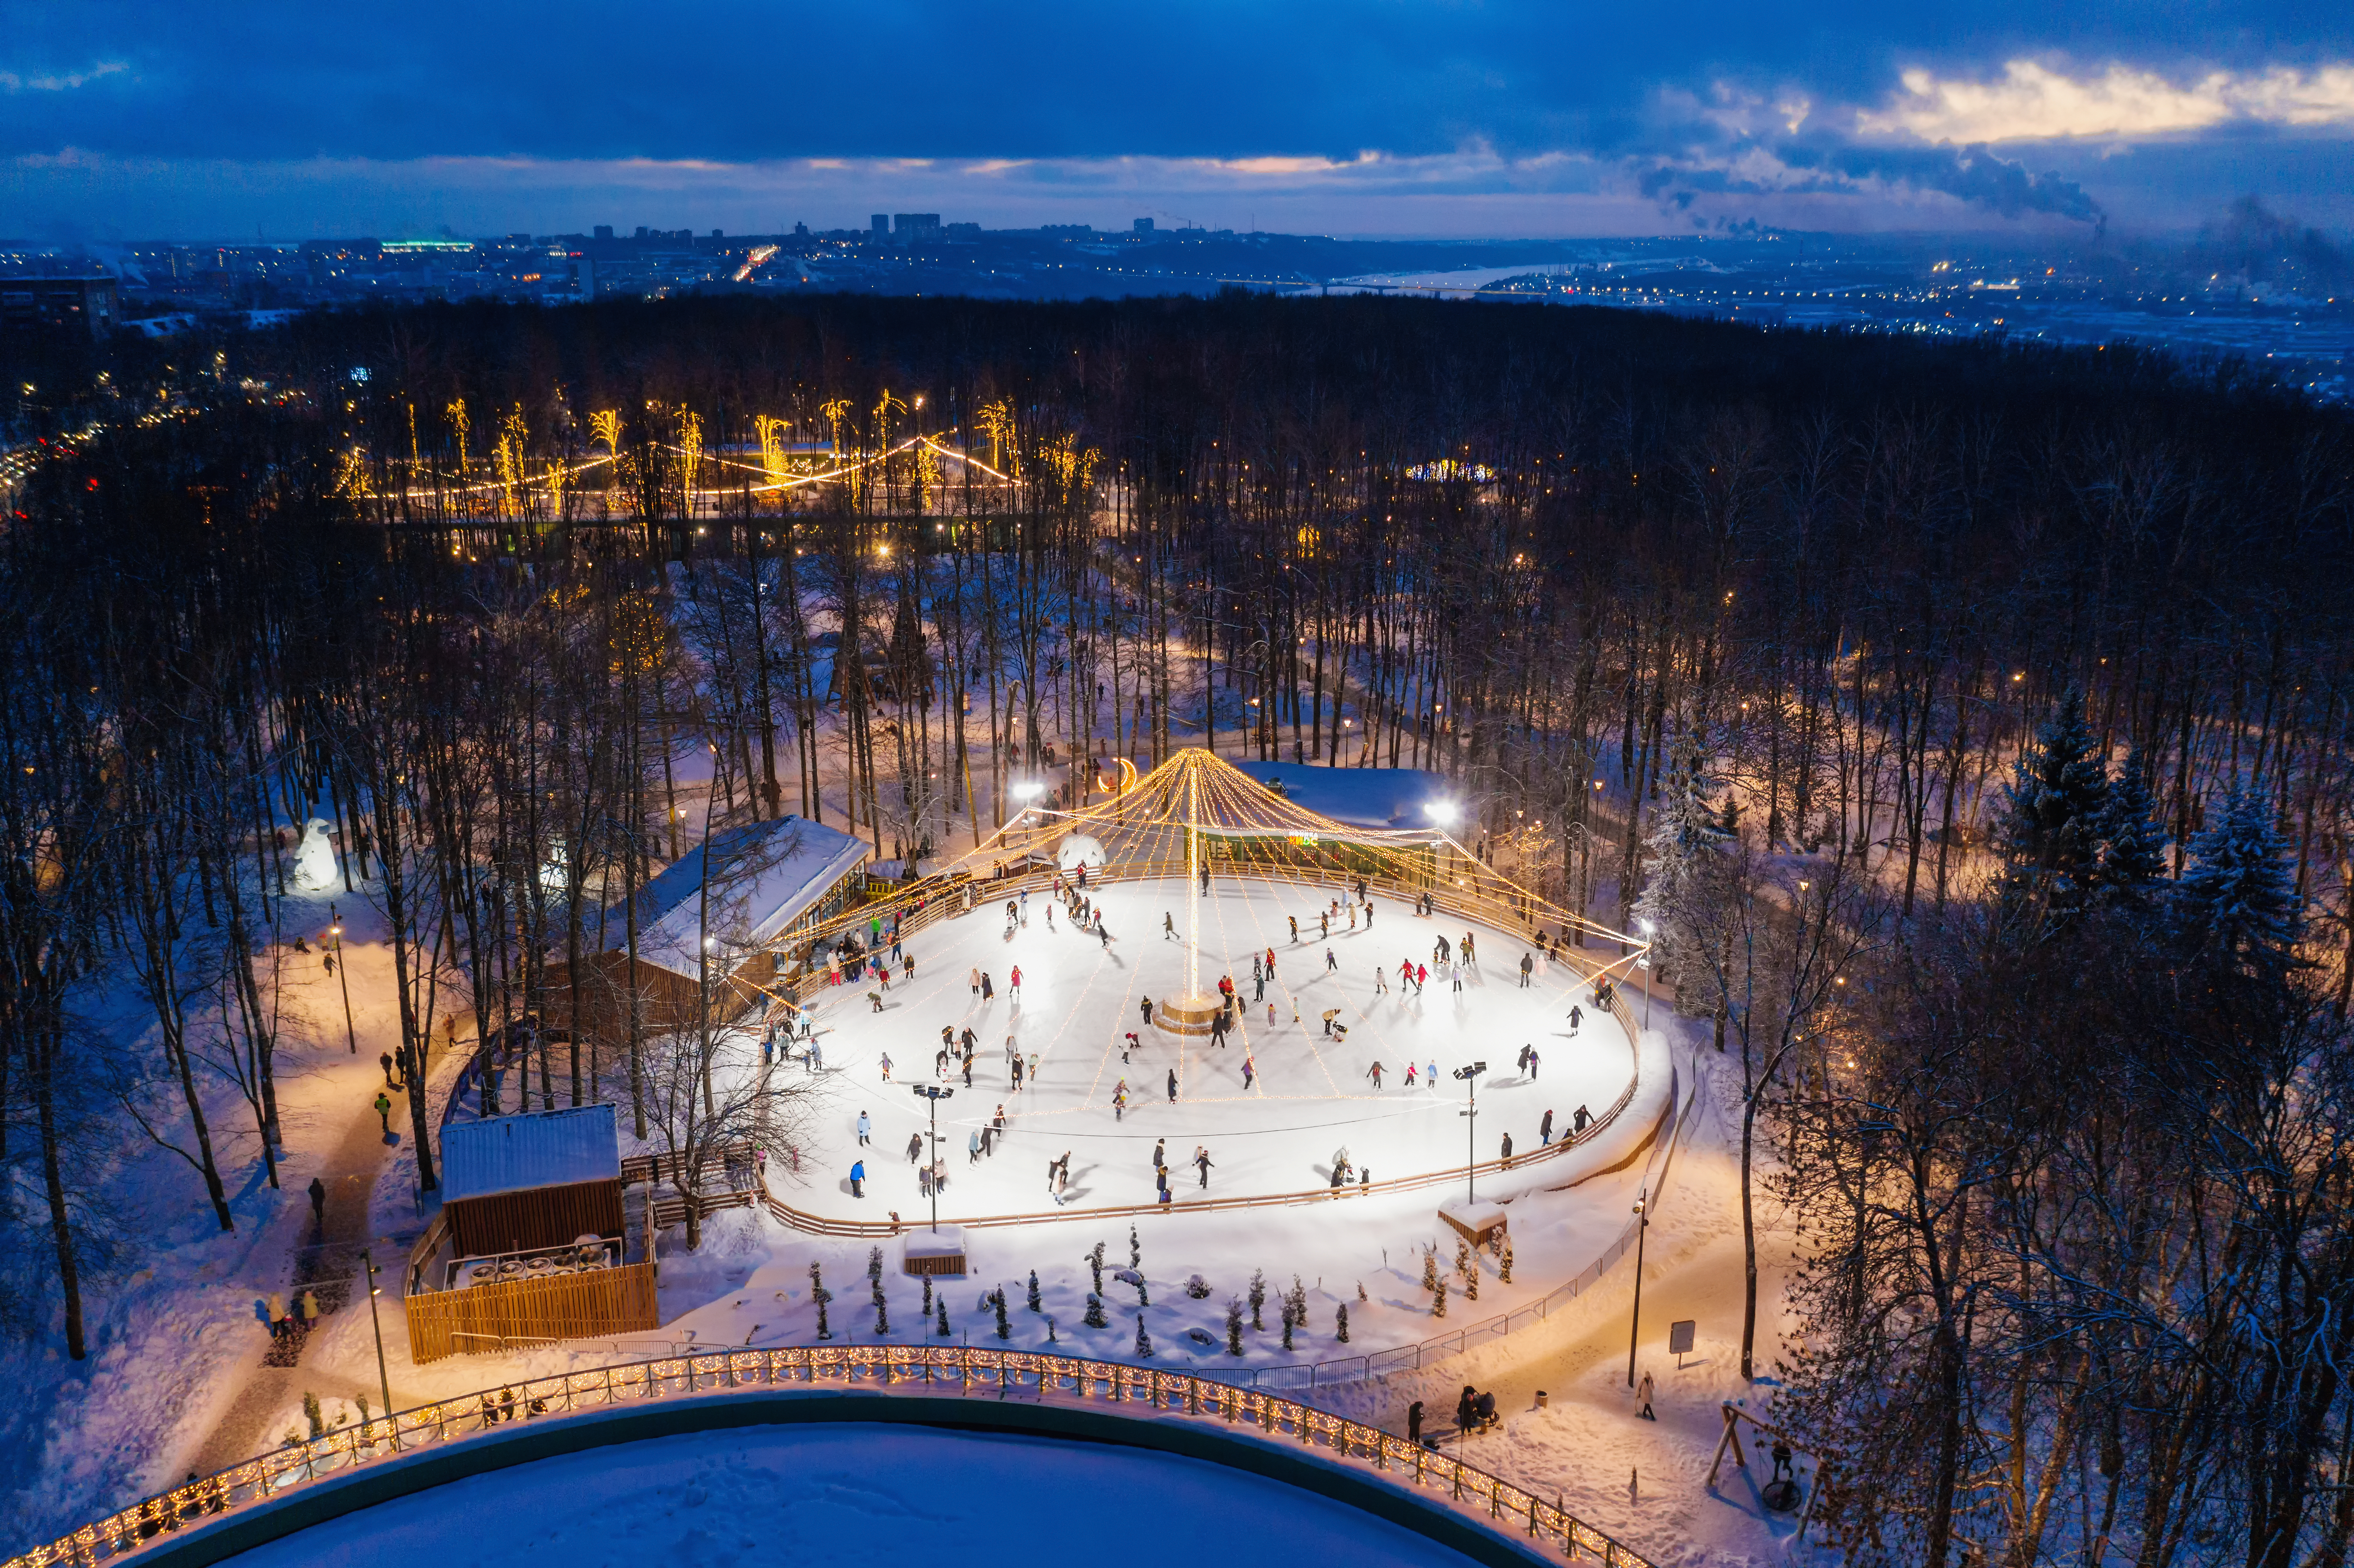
(935, 1093)
(336, 929)
(1650, 971)
(383, 1382)
(1470, 1077)
(1642, 1228)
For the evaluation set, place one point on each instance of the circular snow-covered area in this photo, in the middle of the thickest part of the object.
(1103, 1084)
(851, 1496)
(1078, 850)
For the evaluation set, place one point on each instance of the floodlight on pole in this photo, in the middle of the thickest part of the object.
(1470, 1077)
(934, 1093)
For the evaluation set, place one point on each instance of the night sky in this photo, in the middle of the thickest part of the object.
(128, 118)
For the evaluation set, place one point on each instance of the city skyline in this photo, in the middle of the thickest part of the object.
(128, 119)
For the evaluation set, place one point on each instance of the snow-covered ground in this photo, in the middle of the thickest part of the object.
(846, 1497)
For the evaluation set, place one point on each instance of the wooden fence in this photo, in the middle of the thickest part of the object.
(1146, 1393)
(601, 1301)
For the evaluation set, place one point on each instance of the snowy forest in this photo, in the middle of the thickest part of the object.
(1966, 722)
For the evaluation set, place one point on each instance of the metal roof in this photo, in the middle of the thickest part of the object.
(515, 1154)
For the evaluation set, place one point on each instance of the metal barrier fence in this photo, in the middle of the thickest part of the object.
(1508, 1509)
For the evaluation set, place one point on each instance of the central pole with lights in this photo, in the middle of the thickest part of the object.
(1193, 876)
(383, 1382)
(1470, 1077)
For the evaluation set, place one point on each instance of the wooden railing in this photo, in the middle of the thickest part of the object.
(1492, 1501)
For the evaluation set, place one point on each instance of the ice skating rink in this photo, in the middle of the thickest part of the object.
(1311, 1094)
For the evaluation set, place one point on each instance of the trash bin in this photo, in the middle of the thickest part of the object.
(1540, 1399)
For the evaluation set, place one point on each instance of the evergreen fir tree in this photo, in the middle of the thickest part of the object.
(1430, 1268)
(1135, 1249)
(2133, 844)
(1095, 1317)
(1142, 1298)
(1504, 1263)
(875, 1266)
(1144, 1339)
(1034, 1290)
(2053, 811)
(1257, 1299)
(941, 1301)
(1340, 1324)
(997, 1299)
(1438, 1298)
(928, 1296)
(1095, 1266)
(1675, 857)
(1234, 1324)
(1471, 1280)
(2236, 904)
(1287, 1323)
(881, 1313)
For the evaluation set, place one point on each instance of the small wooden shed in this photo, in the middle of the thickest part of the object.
(516, 1183)
(531, 1246)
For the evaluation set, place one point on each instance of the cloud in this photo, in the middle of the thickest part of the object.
(2033, 103)
(61, 81)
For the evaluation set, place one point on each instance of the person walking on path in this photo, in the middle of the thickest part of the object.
(278, 1323)
(858, 1179)
(1409, 1074)
(1532, 1064)
(1527, 965)
(1201, 1163)
(310, 1305)
(385, 1059)
(1578, 1119)
(973, 980)
(1376, 1074)
(864, 1128)
(1643, 1396)
(1172, 1085)
(1576, 1018)
(384, 1113)
(972, 1148)
(1507, 1151)
(1421, 977)
(914, 1147)
(1430, 1075)
(1016, 983)
(1544, 1130)
(886, 1065)
(318, 1204)
(1332, 964)
(1250, 1071)
(1159, 1154)
(1381, 980)
(988, 992)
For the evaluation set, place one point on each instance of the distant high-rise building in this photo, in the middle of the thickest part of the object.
(880, 223)
(915, 225)
(1143, 226)
(603, 231)
(642, 231)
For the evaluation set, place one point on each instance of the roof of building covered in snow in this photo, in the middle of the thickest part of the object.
(516, 1153)
(1394, 798)
(766, 876)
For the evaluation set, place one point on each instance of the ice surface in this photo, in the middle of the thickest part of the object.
(849, 1497)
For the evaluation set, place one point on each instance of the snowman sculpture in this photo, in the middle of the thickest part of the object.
(315, 862)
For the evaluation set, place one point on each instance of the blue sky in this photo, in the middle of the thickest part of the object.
(125, 118)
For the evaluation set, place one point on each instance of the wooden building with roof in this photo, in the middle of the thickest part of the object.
(532, 1242)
